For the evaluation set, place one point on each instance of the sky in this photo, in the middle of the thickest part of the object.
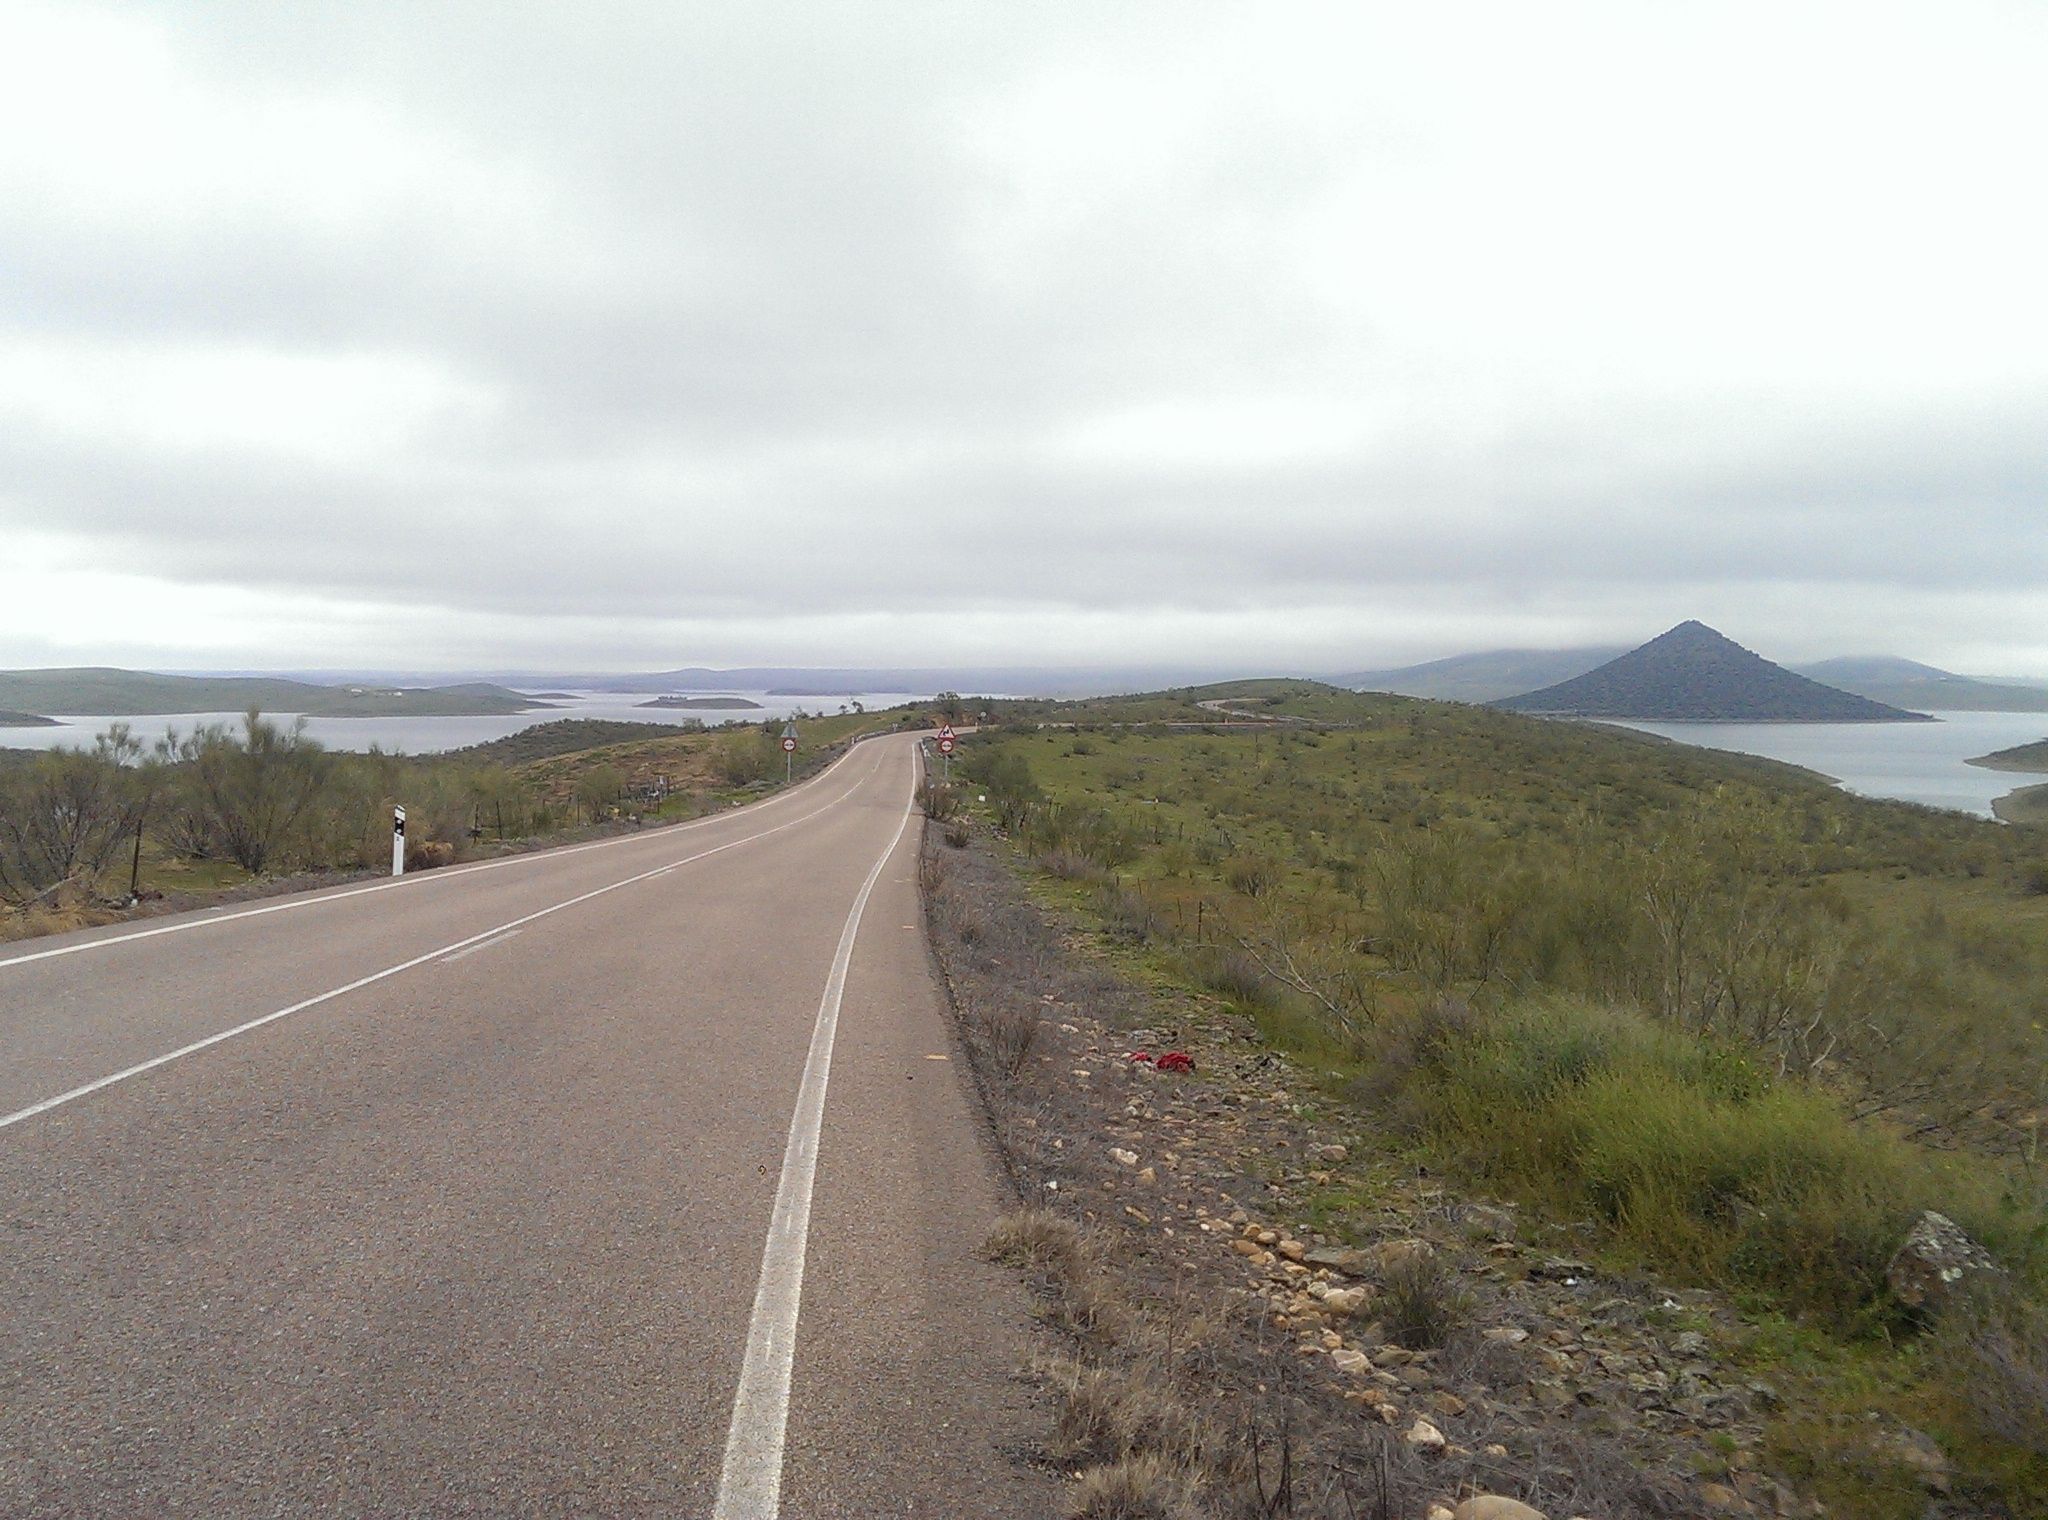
(495, 334)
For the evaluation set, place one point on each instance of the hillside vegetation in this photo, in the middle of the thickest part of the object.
(87, 833)
(1693, 673)
(106, 692)
(1742, 1025)
(2030, 758)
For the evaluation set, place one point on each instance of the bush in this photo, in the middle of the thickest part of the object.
(1692, 1156)
(246, 796)
(1420, 1303)
(1012, 1034)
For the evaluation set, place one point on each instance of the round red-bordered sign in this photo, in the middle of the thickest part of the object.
(789, 746)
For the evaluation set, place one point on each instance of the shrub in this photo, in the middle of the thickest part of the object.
(1693, 1156)
(1012, 1035)
(1420, 1302)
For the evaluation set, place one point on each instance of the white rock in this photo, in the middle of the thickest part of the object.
(1425, 1438)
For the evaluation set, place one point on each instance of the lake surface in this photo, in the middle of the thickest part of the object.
(1913, 762)
(424, 736)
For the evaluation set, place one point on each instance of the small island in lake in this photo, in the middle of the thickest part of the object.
(2029, 804)
(25, 720)
(724, 704)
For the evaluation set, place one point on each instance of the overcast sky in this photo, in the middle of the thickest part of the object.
(439, 335)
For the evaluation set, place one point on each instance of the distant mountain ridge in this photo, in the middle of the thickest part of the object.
(1488, 675)
(1484, 676)
(1908, 683)
(1693, 673)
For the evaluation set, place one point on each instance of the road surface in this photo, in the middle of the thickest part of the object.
(513, 1189)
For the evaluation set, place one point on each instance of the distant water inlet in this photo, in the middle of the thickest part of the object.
(429, 735)
(1911, 762)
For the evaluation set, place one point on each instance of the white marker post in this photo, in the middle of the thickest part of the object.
(788, 753)
(398, 841)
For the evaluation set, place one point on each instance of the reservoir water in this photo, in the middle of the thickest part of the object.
(422, 736)
(1913, 762)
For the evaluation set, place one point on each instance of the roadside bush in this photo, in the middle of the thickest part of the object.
(1693, 1156)
(244, 797)
(744, 758)
(939, 801)
(63, 817)
(1012, 1034)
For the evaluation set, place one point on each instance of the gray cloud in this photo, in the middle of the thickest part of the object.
(1351, 336)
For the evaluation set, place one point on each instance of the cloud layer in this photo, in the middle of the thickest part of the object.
(1311, 337)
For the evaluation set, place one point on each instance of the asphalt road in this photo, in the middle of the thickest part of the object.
(515, 1189)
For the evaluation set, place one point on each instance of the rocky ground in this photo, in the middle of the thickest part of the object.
(1339, 1333)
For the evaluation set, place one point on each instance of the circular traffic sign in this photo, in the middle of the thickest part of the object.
(946, 744)
(789, 745)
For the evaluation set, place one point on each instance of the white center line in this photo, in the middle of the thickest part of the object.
(60, 1099)
(457, 955)
(750, 1485)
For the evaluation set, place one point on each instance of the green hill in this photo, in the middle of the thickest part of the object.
(104, 692)
(2032, 758)
(1908, 683)
(1693, 674)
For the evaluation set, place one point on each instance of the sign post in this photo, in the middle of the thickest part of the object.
(398, 841)
(788, 752)
(946, 743)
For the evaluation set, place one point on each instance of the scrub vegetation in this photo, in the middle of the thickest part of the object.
(88, 834)
(1744, 1026)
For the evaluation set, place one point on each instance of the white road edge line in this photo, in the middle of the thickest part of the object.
(456, 955)
(750, 1484)
(452, 873)
(44, 1105)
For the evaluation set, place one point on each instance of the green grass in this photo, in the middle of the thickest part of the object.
(1748, 1024)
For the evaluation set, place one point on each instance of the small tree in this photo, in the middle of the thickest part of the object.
(62, 818)
(598, 788)
(248, 792)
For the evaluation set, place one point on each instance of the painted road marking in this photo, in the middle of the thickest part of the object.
(450, 959)
(750, 1484)
(451, 873)
(476, 940)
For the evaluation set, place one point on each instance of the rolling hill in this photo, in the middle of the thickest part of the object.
(1693, 673)
(104, 692)
(1908, 683)
(2031, 758)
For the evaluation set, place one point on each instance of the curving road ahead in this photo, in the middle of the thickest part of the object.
(512, 1189)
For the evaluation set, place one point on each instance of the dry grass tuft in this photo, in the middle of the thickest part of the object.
(1137, 1488)
(1012, 1035)
(1420, 1302)
(1113, 1413)
(1037, 1239)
